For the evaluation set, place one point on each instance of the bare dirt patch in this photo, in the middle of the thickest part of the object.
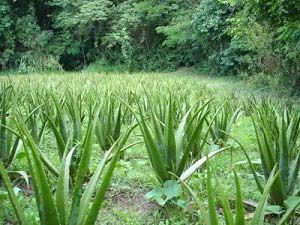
(131, 201)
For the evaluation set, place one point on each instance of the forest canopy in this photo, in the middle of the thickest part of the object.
(227, 37)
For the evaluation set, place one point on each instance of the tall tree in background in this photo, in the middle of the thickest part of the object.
(80, 25)
(259, 39)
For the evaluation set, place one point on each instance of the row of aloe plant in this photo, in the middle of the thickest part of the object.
(25, 125)
(74, 201)
(174, 141)
(172, 147)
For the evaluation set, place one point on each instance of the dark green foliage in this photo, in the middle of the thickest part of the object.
(258, 39)
(210, 21)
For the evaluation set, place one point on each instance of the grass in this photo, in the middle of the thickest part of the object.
(133, 174)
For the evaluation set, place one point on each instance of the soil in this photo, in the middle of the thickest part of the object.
(131, 201)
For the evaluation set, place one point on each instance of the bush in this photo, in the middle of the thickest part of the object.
(102, 66)
(34, 63)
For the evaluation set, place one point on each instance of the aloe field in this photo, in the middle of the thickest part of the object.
(145, 148)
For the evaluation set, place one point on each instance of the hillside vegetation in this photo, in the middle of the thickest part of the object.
(257, 40)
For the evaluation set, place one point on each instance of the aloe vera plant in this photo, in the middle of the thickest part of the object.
(225, 119)
(72, 205)
(210, 216)
(109, 123)
(75, 110)
(9, 143)
(179, 107)
(58, 123)
(277, 134)
(12, 196)
(34, 117)
(169, 148)
(67, 111)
